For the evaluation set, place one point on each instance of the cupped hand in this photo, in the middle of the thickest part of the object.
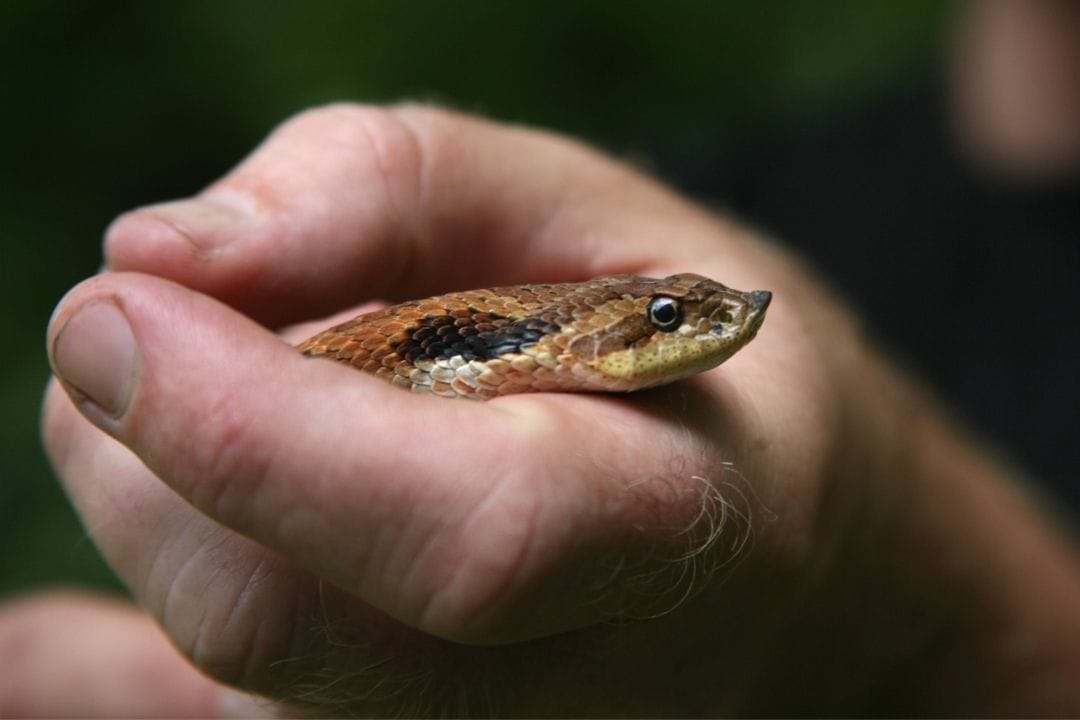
(304, 531)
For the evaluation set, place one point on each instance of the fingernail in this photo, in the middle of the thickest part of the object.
(235, 704)
(95, 353)
(206, 222)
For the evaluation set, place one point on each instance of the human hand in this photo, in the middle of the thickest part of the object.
(309, 533)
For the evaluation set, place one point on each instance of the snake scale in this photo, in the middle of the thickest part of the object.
(614, 333)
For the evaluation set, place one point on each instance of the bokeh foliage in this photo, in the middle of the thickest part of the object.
(108, 105)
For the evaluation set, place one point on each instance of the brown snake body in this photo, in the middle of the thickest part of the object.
(615, 333)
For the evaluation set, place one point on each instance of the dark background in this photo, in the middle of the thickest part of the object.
(109, 105)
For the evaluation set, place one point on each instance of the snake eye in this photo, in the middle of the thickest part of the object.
(664, 313)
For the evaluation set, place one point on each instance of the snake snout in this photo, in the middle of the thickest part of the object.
(759, 300)
(738, 312)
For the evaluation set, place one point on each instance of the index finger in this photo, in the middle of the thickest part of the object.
(348, 203)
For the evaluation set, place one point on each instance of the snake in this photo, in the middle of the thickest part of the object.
(616, 333)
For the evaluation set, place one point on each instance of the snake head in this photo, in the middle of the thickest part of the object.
(650, 332)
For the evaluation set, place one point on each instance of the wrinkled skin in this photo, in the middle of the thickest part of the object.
(305, 532)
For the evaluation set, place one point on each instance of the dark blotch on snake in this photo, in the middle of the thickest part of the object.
(472, 336)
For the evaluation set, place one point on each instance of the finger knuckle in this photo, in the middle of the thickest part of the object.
(364, 130)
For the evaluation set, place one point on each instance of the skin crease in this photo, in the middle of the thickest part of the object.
(305, 532)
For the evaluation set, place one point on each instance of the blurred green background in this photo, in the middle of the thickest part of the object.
(108, 105)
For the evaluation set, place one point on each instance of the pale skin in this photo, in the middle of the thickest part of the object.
(308, 533)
